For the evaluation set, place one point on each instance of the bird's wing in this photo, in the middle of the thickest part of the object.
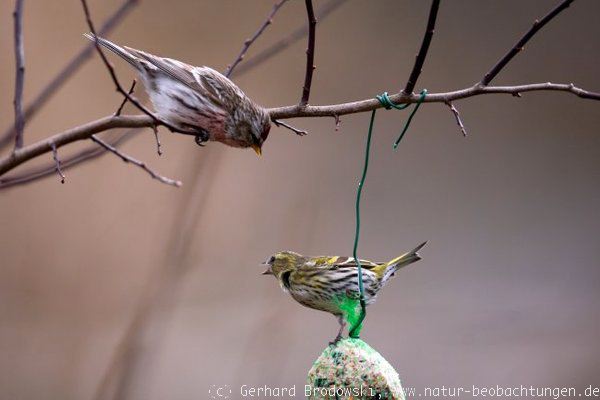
(176, 69)
(337, 262)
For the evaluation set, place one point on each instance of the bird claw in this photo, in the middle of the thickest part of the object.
(336, 340)
(201, 138)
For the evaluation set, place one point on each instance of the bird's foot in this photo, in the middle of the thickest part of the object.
(336, 340)
(201, 138)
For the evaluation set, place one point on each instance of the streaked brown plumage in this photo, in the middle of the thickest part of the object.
(197, 99)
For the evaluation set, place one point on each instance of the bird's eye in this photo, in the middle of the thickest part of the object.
(271, 260)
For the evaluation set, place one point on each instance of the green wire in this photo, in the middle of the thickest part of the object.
(388, 104)
(355, 330)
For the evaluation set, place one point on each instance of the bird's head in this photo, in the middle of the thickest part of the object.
(282, 263)
(255, 130)
(261, 131)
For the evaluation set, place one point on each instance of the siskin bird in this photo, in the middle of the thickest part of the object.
(197, 99)
(323, 283)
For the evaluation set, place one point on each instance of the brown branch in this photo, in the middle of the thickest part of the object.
(251, 40)
(310, 52)
(296, 111)
(57, 164)
(537, 25)
(68, 71)
(287, 41)
(19, 74)
(128, 159)
(48, 169)
(457, 117)
(130, 92)
(420, 60)
(81, 132)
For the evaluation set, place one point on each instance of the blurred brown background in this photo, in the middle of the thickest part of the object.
(507, 292)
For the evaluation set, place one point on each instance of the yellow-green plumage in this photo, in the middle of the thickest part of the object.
(323, 283)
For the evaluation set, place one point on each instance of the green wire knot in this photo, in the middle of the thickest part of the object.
(386, 102)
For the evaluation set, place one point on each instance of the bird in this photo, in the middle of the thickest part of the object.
(197, 100)
(323, 282)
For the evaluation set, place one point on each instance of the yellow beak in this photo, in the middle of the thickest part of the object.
(256, 149)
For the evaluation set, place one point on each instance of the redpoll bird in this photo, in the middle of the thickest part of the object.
(323, 283)
(199, 100)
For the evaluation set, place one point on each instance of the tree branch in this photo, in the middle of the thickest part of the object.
(310, 52)
(20, 74)
(250, 41)
(296, 111)
(81, 132)
(42, 171)
(420, 60)
(128, 159)
(66, 73)
(537, 25)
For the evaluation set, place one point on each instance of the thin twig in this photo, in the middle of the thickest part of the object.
(157, 139)
(57, 164)
(457, 117)
(251, 40)
(130, 92)
(537, 25)
(287, 41)
(297, 131)
(19, 74)
(420, 60)
(338, 122)
(296, 111)
(68, 71)
(128, 159)
(310, 52)
(48, 169)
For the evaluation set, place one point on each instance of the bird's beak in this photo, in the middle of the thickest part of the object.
(268, 271)
(256, 149)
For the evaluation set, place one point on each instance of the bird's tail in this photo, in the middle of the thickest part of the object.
(118, 50)
(405, 259)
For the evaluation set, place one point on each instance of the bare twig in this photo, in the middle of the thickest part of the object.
(297, 131)
(158, 145)
(338, 122)
(19, 74)
(287, 41)
(457, 117)
(537, 25)
(296, 111)
(130, 92)
(48, 169)
(57, 164)
(251, 40)
(310, 52)
(128, 159)
(63, 76)
(420, 60)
